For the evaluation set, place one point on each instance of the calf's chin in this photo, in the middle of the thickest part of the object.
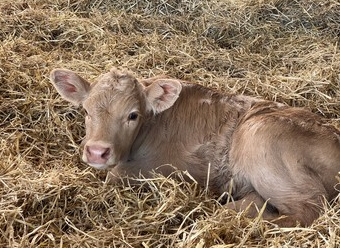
(100, 166)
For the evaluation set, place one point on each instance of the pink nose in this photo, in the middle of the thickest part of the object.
(97, 154)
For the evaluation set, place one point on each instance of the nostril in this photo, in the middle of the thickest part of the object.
(88, 150)
(106, 153)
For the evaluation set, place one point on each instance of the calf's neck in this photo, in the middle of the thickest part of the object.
(262, 152)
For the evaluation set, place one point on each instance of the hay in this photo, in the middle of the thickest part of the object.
(281, 50)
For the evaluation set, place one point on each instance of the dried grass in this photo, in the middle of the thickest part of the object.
(281, 50)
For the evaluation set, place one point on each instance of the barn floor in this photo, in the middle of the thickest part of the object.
(281, 50)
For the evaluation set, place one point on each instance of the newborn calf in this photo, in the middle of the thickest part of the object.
(258, 150)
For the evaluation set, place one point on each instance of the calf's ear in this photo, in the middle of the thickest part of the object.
(70, 86)
(163, 93)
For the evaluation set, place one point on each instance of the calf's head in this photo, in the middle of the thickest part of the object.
(117, 105)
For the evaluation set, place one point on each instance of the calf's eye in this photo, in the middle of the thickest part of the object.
(132, 116)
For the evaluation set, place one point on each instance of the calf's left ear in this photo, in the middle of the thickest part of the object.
(163, 93)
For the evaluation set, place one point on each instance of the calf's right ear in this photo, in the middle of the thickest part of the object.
(70, 86)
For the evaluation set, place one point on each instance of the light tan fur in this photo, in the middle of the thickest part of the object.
(270, 152)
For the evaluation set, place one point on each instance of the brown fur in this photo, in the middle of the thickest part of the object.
(270, 152)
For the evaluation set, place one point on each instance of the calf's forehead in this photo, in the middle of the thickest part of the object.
(107, 99)
(115, 80)
(112, 91)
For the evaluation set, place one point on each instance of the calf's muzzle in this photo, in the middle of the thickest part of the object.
(97, 154)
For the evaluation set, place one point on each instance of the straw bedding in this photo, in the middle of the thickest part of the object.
(286, 51)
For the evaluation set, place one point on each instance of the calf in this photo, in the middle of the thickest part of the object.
(260, 151)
